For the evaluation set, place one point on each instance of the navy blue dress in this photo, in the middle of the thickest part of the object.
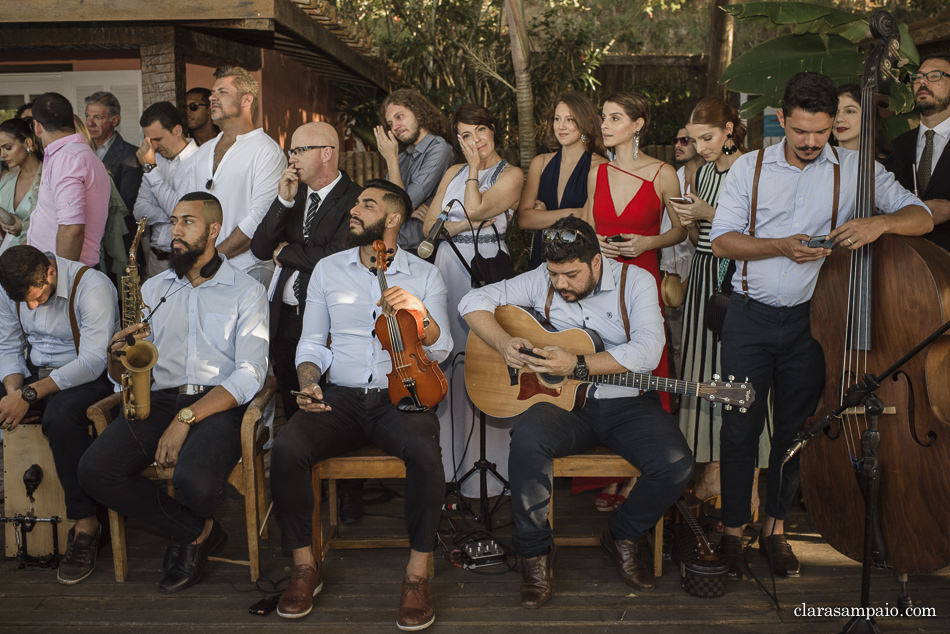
(575, 194)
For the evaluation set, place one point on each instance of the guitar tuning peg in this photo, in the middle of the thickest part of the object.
(728, 408)
(746, 379)
(732, 378)
(743, 410)
(715, 377)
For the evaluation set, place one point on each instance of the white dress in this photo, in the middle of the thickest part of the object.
(458, 420)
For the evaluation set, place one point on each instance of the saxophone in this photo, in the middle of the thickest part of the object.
(141, 356)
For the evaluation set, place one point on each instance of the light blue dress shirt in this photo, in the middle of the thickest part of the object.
(341, 304)
(215, 333)
(50, 335)
(599, 311)
(793, 201)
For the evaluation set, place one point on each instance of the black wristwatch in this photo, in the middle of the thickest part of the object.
(28, 394)
(580, 370)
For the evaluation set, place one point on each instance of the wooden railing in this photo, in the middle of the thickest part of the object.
(363, 166)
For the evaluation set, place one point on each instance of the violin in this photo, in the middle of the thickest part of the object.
(416, 383)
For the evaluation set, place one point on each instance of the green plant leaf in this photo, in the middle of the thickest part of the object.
(754, 106)
(790, 12)
(898, 124)
(908, 49)
(774, 62)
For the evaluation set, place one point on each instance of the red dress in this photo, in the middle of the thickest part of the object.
(642, 216)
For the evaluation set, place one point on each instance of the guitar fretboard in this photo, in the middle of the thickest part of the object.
(646, 382)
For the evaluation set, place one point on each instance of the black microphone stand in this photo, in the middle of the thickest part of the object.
(482, 466)
(868, 472)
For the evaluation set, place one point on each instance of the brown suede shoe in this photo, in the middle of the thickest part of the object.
(779, 554)
(297, 600)
(415, 605)
(536, 575)
(634, 559)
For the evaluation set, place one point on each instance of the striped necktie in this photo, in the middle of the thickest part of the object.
(308, 220)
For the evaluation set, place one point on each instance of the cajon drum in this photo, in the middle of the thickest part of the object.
(24, 447)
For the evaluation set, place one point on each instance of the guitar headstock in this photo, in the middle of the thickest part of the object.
(729, 393)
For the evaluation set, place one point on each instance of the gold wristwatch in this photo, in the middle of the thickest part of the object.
(187, 417)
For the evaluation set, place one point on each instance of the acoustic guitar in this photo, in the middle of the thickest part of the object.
(502, 391)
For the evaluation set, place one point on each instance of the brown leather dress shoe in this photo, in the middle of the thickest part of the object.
(415, 605)
(634, 559)
(730, 549)
(536, 575)
(779, 554)
(297, 600)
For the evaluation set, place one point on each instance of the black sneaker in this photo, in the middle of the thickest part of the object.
(80, 558)
(730, 549)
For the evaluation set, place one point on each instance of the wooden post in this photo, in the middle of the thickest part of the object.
(719, 49)
(163, 69)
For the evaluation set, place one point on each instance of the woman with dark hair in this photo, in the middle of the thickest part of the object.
(20, 184)
(847, 128)
(715, 128)
(480, 193)
(557, 181)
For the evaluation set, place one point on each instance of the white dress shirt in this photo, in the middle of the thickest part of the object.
(941, 136)
(215, 333)
(50, 335)
(599, 311)
(160, 191)
(289, 298)
(102, 150)
(793, 201)
(245, 183)
(341, 304)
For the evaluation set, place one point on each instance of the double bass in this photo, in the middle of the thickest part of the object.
(898, 292)
(416, 383)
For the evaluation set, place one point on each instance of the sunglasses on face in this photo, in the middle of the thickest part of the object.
(194, 106)
(681, 140)
(567, 236)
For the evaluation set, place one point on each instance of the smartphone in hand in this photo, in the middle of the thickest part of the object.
(309, 397)
(681, 200)
(616, 238)
(820, 242)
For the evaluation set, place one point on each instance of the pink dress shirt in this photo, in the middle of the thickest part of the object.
(74, 190)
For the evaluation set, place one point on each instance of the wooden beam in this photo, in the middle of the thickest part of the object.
(132, 10)
(211, 49)
(290, 15)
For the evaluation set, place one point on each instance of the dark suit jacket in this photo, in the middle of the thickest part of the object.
(901, 163)
(285, 224)
(125, 170)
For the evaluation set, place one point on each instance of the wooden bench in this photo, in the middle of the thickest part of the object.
(600, 463)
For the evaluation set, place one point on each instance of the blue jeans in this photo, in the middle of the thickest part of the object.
(638, 429)
(111, 469)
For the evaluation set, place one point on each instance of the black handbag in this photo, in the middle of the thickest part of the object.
(714, 315)
(494, 269)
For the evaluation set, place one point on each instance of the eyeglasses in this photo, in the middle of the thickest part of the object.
(681, 140)
(567, 236)
(194, 106)
(297, 151)
(932, 76)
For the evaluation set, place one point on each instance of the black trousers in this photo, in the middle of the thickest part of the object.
(357, 419)
(111, 468)
(283, 353)
(638, 429)
(774, 348)
(66, 427)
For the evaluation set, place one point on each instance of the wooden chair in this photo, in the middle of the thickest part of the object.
(600, 462)
(365, 463)
(247, 477)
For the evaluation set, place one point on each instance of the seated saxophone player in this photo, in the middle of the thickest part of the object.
(64, 313)
(208, 321)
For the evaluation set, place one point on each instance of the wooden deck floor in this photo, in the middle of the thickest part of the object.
(362, 587)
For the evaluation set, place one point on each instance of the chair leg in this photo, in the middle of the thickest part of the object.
(262, 494)
(120, 561)
(658, 548)
(250, 520)
(316, 523)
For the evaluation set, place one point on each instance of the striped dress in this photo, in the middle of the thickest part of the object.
(699, 420)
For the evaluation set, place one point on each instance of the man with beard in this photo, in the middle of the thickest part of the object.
(209, 322)
(304, 224)
(414, 124)
(343, 303)
(921, 159)
(66, 313)
(241, 167)
(166, 156)
(604, 296)
(767, 332)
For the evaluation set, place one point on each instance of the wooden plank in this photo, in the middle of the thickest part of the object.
(41, 11)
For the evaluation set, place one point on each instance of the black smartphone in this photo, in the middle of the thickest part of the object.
(311, 397)
(616, 238)
(820, 242)
(265, 606)
(681, 200)
(529, 352)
